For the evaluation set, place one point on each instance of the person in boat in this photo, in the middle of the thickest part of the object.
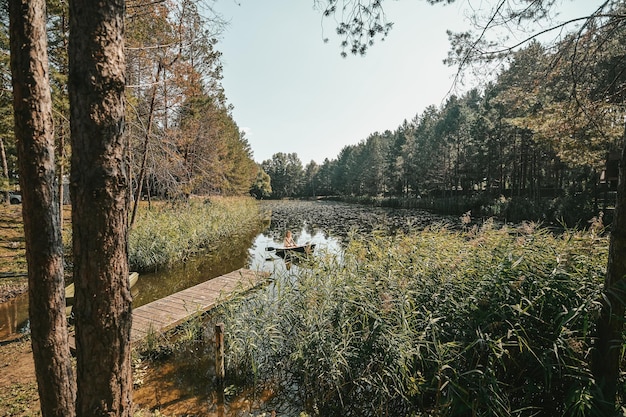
(289, 242)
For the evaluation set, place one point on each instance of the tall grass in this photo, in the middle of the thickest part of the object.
(168, 234)
(482, 322)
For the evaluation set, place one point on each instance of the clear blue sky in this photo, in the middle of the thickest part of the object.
(292, 92)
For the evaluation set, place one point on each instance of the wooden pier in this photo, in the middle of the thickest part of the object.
(166, 313)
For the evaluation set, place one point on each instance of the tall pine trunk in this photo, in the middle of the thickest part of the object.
(44, 249)
(609, 342)
(99, 193)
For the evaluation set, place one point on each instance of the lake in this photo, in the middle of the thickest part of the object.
(325, 224)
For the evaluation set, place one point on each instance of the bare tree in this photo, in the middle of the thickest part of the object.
(44, 249)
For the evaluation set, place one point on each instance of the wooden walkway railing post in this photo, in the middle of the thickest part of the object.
(219, 366)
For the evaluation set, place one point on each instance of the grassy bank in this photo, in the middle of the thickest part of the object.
(164, 234)
(481, 322)
(167, 234)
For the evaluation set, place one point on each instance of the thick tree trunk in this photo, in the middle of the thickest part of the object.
(609, 343)
(100, 208)
(44, 249)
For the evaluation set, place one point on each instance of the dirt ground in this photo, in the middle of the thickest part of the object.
(18, 386)
(157, 386)
(157, 391)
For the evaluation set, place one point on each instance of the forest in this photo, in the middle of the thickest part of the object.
(533, 142)
(147, 109)
(179, 124)
(544, 132)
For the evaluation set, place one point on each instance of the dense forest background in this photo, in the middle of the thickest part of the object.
(540, 140)
(179, 125)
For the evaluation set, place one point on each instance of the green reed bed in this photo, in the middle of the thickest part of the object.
(475, 323)
(167, 234)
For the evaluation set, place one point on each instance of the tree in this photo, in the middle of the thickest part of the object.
(286, 173)
(180, 127)
(261, 188)
(310, 187)
(44, 248)
(323, 177)
(100, 197)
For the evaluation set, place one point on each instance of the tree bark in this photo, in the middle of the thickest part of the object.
(609, 341)
(44, 249)
(100, 190)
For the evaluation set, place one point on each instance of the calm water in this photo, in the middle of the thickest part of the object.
(326, 224)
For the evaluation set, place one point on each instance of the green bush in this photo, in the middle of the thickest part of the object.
(482, 322)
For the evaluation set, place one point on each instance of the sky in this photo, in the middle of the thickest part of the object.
(293, 92)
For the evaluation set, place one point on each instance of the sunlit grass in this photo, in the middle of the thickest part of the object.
(480, 322)
(168, 234)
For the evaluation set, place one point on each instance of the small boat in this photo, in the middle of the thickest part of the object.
(69, 290)
(301, 251)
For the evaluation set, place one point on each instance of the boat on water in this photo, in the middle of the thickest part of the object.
(300, 251)
(70, 290)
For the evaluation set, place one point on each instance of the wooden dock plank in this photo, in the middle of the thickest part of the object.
(169, 305)
(166, 313)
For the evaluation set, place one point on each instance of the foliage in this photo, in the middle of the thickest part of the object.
(481, 322)
(540, 132)
(262, 187)
(177, 111)
(286, 174)
(359, 25)
(167, 234)
(181, 129)
(6, 101)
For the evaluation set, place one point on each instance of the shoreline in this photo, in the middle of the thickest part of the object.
(12, 289)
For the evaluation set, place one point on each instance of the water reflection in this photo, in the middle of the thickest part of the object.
(263, 258)
(223, 258)
(14, 318)
(325, 224)
(251, 250)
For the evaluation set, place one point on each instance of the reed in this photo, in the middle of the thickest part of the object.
(476, 322)
(167, 234)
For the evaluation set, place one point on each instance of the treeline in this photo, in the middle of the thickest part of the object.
(179, 125)
(540, 134)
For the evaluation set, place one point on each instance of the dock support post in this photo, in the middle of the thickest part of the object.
(219, 366)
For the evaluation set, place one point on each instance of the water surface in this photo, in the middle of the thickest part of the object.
(325, 224)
